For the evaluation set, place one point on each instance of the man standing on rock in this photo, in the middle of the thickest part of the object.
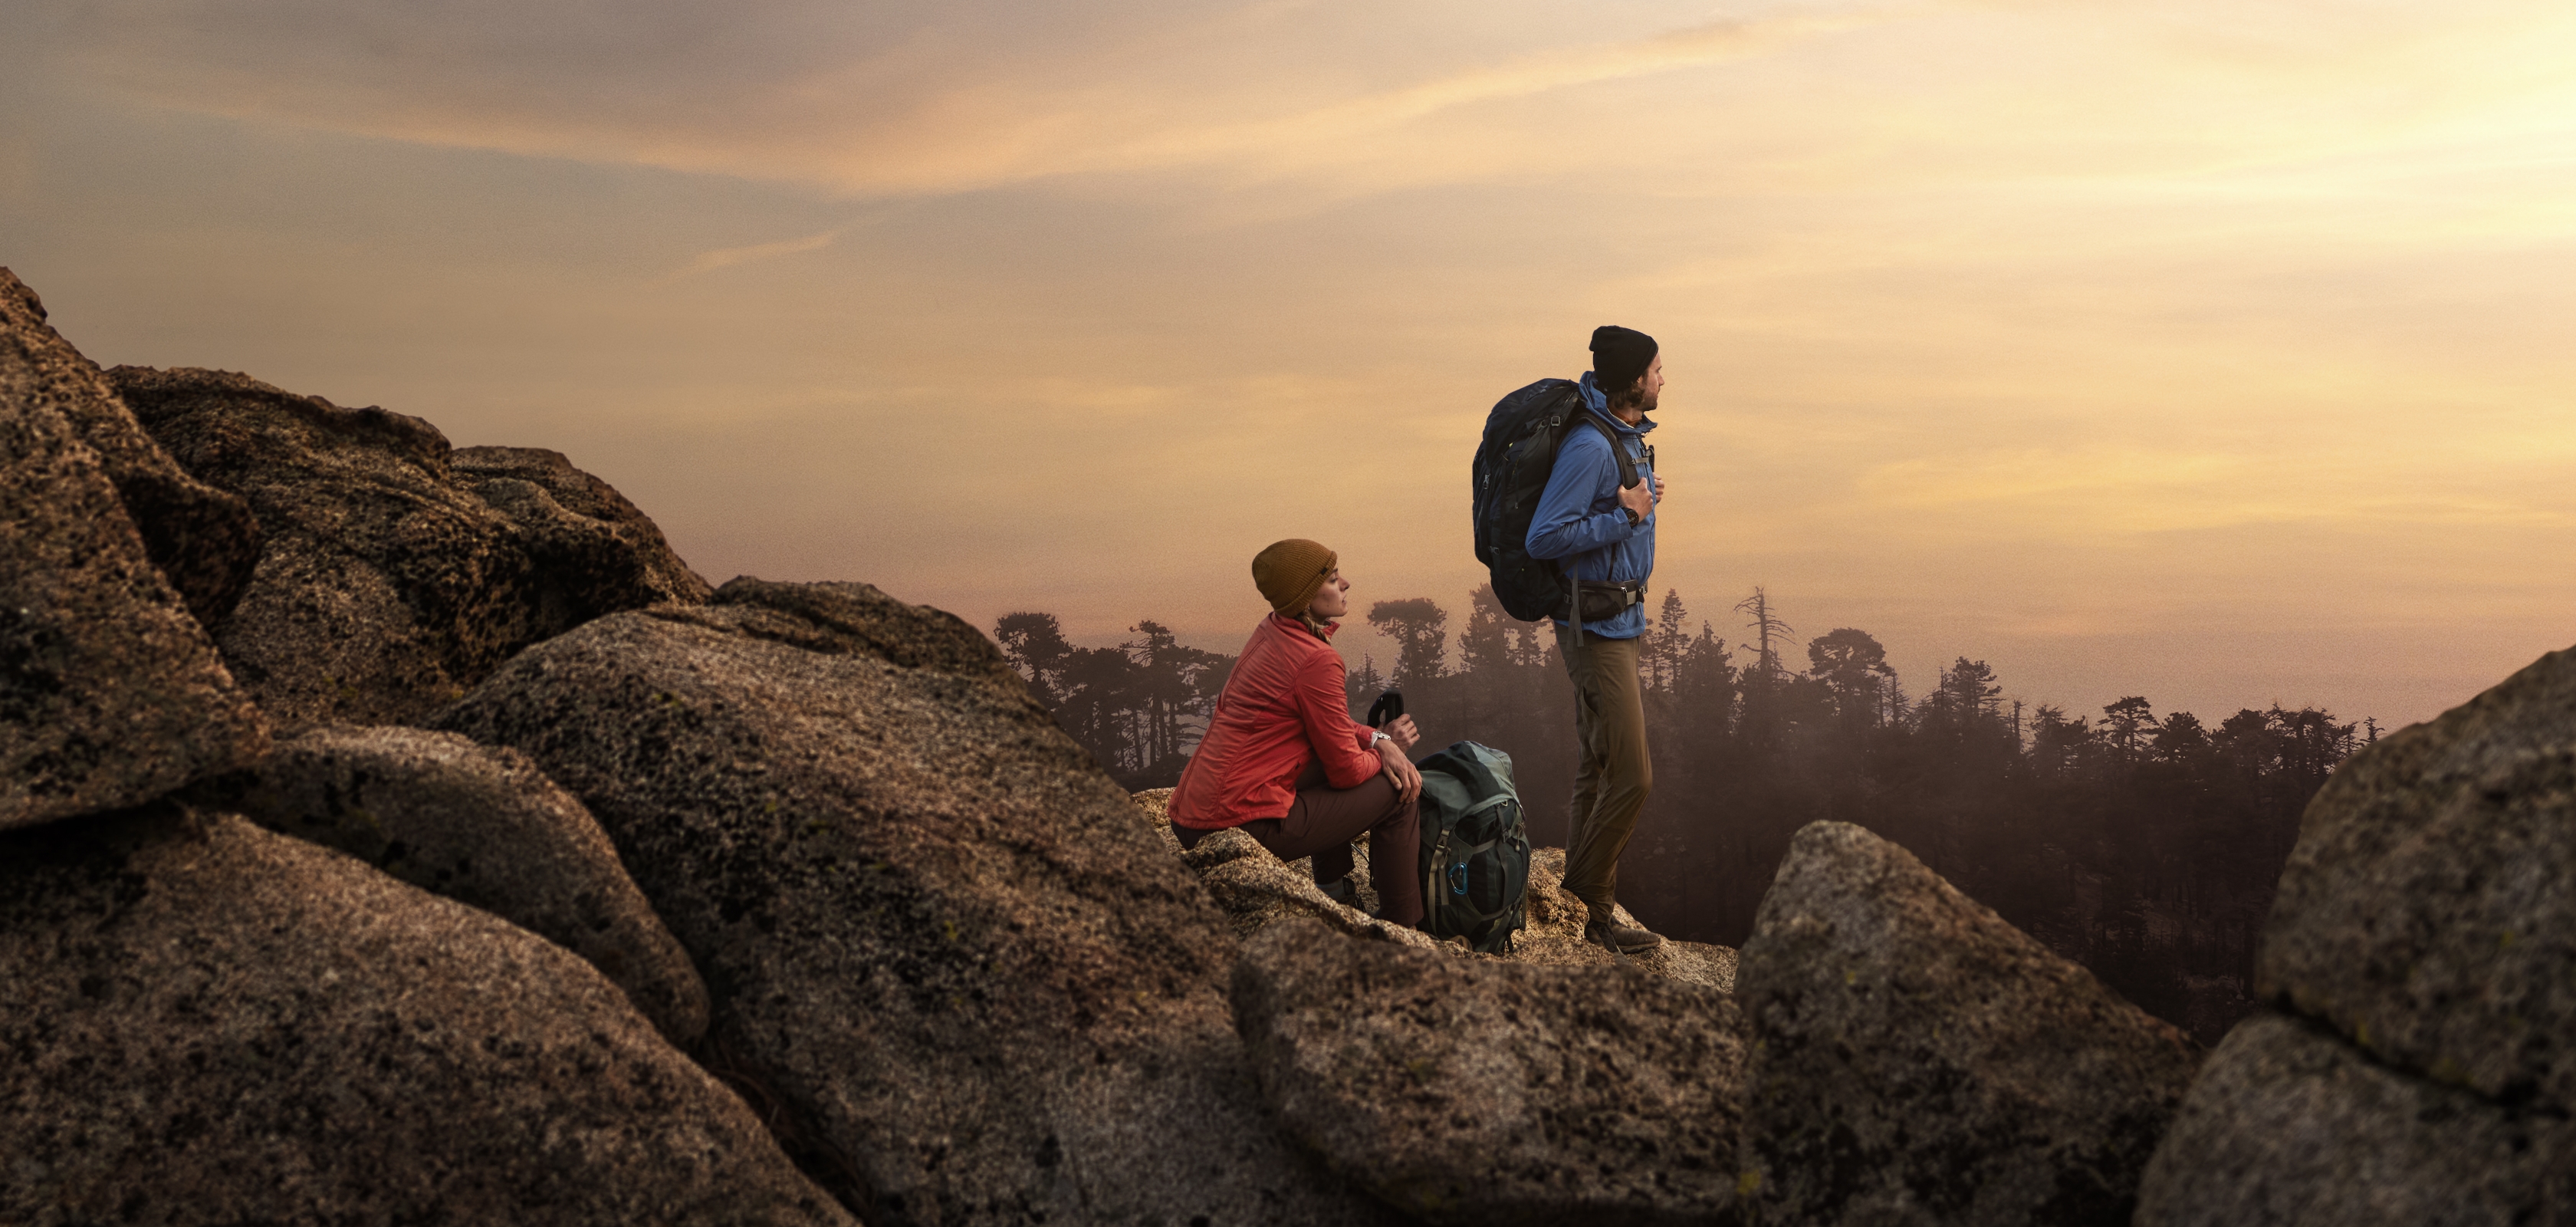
(1603, 537)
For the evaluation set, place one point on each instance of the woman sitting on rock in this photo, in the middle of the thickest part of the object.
(1284, 761)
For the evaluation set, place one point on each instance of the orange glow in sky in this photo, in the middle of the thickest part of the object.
(2224, 354)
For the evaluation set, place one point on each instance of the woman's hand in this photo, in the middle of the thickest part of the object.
(1401, 731)
(1399, 771)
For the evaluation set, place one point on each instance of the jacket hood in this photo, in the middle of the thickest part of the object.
(1596, 401)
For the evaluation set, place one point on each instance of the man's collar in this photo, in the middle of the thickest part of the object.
(1643, 425)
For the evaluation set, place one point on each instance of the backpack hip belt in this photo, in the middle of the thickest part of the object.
(1597, 600)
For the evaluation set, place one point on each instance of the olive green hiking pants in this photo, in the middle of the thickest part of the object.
(1613, 776)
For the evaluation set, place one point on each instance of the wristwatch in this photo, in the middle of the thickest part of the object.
(1633, 518)
(1381, 739)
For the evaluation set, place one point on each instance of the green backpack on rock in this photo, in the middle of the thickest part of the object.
(1475, 847)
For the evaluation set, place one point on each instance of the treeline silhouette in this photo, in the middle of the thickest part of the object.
(2145, 847)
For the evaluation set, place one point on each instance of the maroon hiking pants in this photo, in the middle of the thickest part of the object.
(1323, 822)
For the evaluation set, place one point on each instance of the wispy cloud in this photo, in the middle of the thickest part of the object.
(727, 257)
(801, 91)
(1340, 123)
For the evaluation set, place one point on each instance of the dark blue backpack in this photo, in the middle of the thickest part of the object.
(1522, 436)
(1475, 848)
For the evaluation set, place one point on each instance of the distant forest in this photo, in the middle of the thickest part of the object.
(2145, 847)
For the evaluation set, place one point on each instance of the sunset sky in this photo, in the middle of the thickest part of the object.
(2219, 353)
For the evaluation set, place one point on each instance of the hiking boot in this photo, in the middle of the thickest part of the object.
(1341, 890)
(1620, 939)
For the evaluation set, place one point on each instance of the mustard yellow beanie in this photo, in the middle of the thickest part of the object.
(1289, 572)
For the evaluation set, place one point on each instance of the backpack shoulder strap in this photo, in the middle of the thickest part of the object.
(1627, 463)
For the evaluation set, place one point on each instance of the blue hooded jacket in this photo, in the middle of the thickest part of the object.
(1579, 520)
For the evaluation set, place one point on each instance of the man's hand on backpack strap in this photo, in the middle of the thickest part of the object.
(1399, 771)
(1402, 733)
(1639, 499)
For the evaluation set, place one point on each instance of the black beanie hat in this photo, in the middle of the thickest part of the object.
(1619, 356)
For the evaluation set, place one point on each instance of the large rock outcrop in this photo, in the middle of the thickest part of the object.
(935, 930)
(1918, 1060)
(110, 693)
(2428, 913)
(481, 826)
(204, 541)
(388, 583)
(1481, 1091)
(210, 1023)
(2421, 953)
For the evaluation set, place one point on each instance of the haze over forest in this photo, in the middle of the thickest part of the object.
(2142, 843)
(2212, 353)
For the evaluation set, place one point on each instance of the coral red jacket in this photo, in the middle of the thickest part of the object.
(1282, 708)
